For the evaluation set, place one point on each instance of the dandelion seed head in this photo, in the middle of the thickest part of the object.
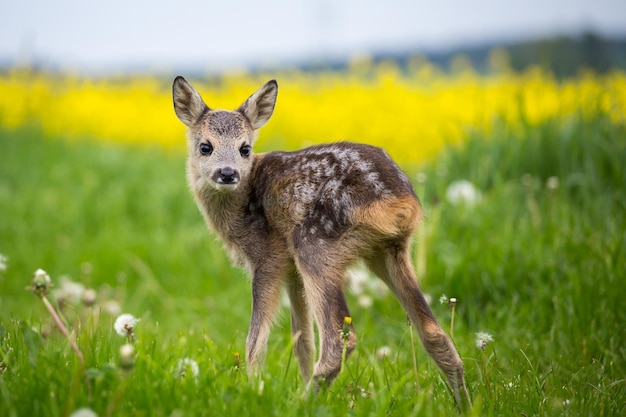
(42, 276)
(365, 301)
(41, 282)
(462, 192)
(359, 280)
(186, 366)
(443, 299)
(84, 412)
(378, 288)
(112, 307)
(482, 339)
(69, 291)
(261, 386)
(428, 298)
(552, 183)
(383, 352)
(125, 324)
(4, 261)
(127, 356)
(89, 297)
(127, 351)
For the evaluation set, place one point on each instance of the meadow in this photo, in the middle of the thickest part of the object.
(531, 246)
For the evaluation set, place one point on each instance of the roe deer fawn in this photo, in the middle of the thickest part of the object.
(300, 219)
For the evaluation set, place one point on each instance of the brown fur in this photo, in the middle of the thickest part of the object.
(299, 220)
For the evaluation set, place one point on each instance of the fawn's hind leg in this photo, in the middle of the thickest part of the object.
(395, 268)
(301, 326)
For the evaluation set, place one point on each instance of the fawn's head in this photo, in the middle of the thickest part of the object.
(220, 141)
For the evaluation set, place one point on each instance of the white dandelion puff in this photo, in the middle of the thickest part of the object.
(84, 412)
(127, 356)
(125, 324)
(383, 352)
(428, 298)
(186, 366)
(69, 291)
(89, 297)
(483, 339)
(462, 192)
(359, 280)
(4, 261)
(365, 301)
(112, 307)
(552, 183)
(127, 351)
(41, 282)
(443, 299)
(42, 278)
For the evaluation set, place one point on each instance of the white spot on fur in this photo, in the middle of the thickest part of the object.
(333, 185)
(328, 224)
(363, 165)
(374, 179)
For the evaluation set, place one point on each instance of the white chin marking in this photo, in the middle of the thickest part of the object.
(225, 187)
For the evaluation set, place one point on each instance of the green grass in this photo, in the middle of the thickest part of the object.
(540, 269)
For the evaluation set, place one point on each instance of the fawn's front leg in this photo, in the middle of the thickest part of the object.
(266, 284)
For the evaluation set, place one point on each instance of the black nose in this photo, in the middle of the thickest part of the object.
(227, 175)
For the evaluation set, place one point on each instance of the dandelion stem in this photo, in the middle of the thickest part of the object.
(345, 335)
(452, 302)
(452, 323)
(417, 382)
(485, 370)
(61, 326)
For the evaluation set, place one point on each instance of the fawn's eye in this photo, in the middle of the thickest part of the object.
(245, 150)
(206, 148)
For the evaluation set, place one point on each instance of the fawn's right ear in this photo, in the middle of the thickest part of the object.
(188, 104)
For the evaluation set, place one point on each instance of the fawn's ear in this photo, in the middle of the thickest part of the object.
(188, 104)
(258, 108)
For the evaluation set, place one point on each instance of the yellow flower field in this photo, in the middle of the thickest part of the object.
(412, 113)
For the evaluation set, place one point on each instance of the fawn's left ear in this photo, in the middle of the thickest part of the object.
(258, 108)
(188, 104)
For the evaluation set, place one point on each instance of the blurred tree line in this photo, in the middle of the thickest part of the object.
(563, 56)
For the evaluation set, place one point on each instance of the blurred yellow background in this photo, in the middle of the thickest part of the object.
(412, 112)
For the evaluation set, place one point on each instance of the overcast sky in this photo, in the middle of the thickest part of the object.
(209, 34)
